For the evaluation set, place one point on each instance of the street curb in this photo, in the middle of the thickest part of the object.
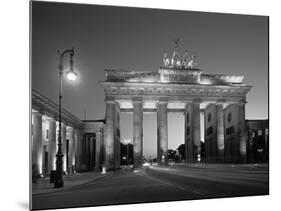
(68, 188)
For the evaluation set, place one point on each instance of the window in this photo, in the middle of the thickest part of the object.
(210, 130)
(253, 134)
(229, 117)
(209, 117)
(187, 131)
(230, 130)
(187, 118)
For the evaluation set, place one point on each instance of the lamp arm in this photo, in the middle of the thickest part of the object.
(62, 56)
(70, 51)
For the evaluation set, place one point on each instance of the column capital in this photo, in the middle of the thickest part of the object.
(98, 132)
(163, 100)
(196, 100)
(69, 129)
(37, 113)
(109, 100)
(239, 102)
(137, 100)
(63, 124)
(51, 119)
(187, 104)
(242, 102)
(220, 101)
(76, 132)
(202, 110)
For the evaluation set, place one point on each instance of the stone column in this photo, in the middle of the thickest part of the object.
(98, 150)
(45, 126)
(211, 133)
(88, 151)
(63, 140)
(71, 149)
(162, 133)
(91, 151)
(138, 133)
(264, 141)
(250, 149)
(102, 150)
(116, 124)
(52, 145)
(84, 162)
(109, 135)
(188, 134)
(196, 136)
(266, 132)
(37, 155)
(242, 133)
(220, 133)
(78, 150)
(74, 148)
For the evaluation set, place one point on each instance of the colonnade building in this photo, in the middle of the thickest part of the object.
(81, 140)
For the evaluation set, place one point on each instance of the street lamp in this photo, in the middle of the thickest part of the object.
(127, 142)
(71, 75)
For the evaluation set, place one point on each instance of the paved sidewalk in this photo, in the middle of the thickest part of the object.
(44, 186)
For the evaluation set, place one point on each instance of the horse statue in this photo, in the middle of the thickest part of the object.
(175, 62)
(166, 60)
(185, 60)
(192, 63)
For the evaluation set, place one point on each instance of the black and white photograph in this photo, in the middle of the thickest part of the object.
(138, 105)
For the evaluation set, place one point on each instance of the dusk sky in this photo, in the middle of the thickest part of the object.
(134, 39)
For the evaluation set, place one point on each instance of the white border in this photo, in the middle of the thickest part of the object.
(15, 103)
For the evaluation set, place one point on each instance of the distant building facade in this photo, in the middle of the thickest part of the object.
(258, 141)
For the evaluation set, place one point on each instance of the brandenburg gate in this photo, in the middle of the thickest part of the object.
(178, 86)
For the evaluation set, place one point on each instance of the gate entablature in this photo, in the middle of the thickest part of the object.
(174, 92)
(172, 75)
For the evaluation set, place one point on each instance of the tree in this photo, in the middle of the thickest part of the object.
(181, 150)
(171, 154)
(123, 154)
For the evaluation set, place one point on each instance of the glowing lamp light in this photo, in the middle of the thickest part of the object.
(199, 157)
(71, 75)
(103, 170)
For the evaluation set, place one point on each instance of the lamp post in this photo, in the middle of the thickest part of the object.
(71, 75)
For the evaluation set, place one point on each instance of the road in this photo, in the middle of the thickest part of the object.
(154, 184)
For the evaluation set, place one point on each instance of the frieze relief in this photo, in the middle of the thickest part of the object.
(202, 92)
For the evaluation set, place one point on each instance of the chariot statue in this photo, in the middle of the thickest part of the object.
(192, 63)
(185, 60)
(176, 62)
(166, 60)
